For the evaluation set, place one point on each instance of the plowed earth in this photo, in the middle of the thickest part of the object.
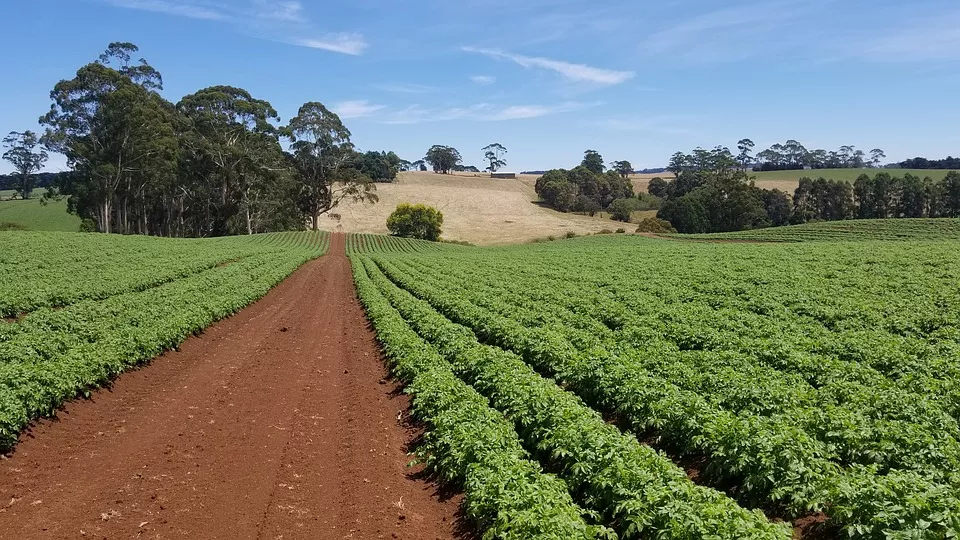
(278, 422)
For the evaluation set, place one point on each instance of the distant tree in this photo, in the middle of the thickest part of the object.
(415, 221)
(443, 159)
(624, 168)
(26, 160)
(322, 157)
(593, 161)
(622, 209)
(494, 154)
(678, 163)
(745, 146)
(876, 155)
(951, 194)
(658, 187)
(380, 166)
(419, 165)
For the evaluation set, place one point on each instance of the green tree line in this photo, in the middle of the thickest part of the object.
(714, 193)
(211, 164)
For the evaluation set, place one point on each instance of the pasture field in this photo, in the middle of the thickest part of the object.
(34, 216)
(78, 309)
(681, 389)
(843, 174)
(476, 209)
(850, 230)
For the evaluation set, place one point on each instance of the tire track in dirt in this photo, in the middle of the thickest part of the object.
(277, 422)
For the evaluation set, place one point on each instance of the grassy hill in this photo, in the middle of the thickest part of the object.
(476, 209)
(32, 215)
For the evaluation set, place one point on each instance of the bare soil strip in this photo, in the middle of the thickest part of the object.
(278, 422)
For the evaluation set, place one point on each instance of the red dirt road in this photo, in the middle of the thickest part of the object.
(275, 423)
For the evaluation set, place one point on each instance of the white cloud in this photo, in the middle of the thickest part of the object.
(482, 112)
(283, 21)
(575, 72)
(357, 108)
(407, 88)
(352, 44)
(483, 79)
(291, 12)
(192, 11)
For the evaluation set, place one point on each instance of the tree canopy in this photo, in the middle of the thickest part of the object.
(21, 152)
(443, 159)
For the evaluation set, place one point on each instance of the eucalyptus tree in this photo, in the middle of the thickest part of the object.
(593, 161)
(322, 156)
(624, 168)
(22, 153)
(232, 148)
(494, 154)
(117, 134)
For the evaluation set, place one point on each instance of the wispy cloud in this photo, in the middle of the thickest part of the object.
(734, 33)
(178, 9)
(283, 21)
(483, 79)
(574, 72)
(921, 40)
(291, 12)
(480, 112)
(358, 108)
(352, 44)
(407, 88)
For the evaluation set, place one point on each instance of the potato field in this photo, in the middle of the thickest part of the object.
(78, 309)
(650, 388)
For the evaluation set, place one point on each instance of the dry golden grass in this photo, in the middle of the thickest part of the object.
(476, 208)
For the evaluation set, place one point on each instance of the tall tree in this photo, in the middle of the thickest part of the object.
(442, 158)
(322, 153)
(593, 161)
(234, 147)
(26, 160)
(876, 155)
(745, 146)
(494, 154)
(117, 134)
(623, 168)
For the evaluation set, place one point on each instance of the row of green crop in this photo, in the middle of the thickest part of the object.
(52, 355)
(377, 243)
(870, 421)
(637, 491)
(506, 494)
(58, 269)
(769, 459)
(852, 230)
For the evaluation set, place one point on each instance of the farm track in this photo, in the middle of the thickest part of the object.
(276, 422)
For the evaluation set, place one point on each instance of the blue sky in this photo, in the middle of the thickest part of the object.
(548, 79)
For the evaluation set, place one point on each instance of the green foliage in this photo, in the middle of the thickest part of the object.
(593, 161)
(811, 378)
(581, 189)
(506, 494)
(90, 306)
(22, 153)
(924, 229)
(654, 225)
(622, 209)
(442, 158)
(379, 166)
(494, 153)
(415, 221)
(8, 226)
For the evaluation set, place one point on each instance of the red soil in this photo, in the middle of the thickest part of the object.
(277, 422)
